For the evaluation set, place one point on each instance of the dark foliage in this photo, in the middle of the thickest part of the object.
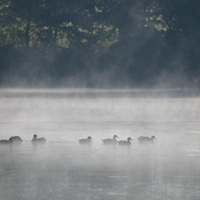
(99, 43)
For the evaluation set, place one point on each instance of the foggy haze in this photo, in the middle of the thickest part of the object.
(74, 69)
(137, 44)
(64, 169)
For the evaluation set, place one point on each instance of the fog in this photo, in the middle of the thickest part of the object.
(129, 51)
(64, 169)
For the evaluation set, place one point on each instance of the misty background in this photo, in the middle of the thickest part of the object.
(79, 68)
(63, 169)
(99, 43)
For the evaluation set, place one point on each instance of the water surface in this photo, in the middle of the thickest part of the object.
(63, 169)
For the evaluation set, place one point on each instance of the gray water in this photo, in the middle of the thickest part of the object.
(62, 169)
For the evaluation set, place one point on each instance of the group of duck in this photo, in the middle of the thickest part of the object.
(17, 139)
(88, 140)
(114, 140)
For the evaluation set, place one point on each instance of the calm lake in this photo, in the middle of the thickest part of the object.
(62, 169)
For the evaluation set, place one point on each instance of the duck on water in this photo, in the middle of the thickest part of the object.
(37, 140)
(87, 140)
(125, 142)
(16, 139)
(110, 140)
(6, 141)
(143, 139)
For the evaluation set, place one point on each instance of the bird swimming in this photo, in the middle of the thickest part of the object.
(125, 142)
(16, 139)
(143, 139)
(6, 141)
(37, 140)
(110, 140)
(87, 140)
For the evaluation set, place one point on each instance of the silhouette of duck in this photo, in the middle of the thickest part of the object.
(87, 140)
(6, 141)
(110, 140)
(125, 142)
(16, 139)
(143, 139)
(37, 140)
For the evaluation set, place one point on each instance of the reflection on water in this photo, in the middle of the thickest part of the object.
(62, 169)
(70, 171)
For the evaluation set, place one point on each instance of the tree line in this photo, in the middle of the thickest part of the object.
(99, 42)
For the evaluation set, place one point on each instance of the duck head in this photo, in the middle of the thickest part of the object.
(35, 136)
(89, 138)
(115, 136)
(153, 137)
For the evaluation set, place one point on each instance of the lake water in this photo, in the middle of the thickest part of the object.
(62, 169)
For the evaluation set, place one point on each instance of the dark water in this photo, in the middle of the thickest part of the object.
(62, 169)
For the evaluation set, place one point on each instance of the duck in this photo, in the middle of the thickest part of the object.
(37, 140)
(125, 142)
(87, 140)
(16, 139)
(110, 140)
(144, 139)
(9, 141)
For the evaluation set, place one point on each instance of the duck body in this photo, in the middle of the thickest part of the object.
(16, 139)
(37, 140)
(110, 141)
(125, 142)
(6, 141)
(87, 140)
(143, 139)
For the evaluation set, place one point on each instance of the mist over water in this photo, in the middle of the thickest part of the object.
(64, 169)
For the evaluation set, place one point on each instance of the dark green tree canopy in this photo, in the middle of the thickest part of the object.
(132, 41)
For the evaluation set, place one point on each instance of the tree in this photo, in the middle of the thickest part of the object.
(25, 12)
